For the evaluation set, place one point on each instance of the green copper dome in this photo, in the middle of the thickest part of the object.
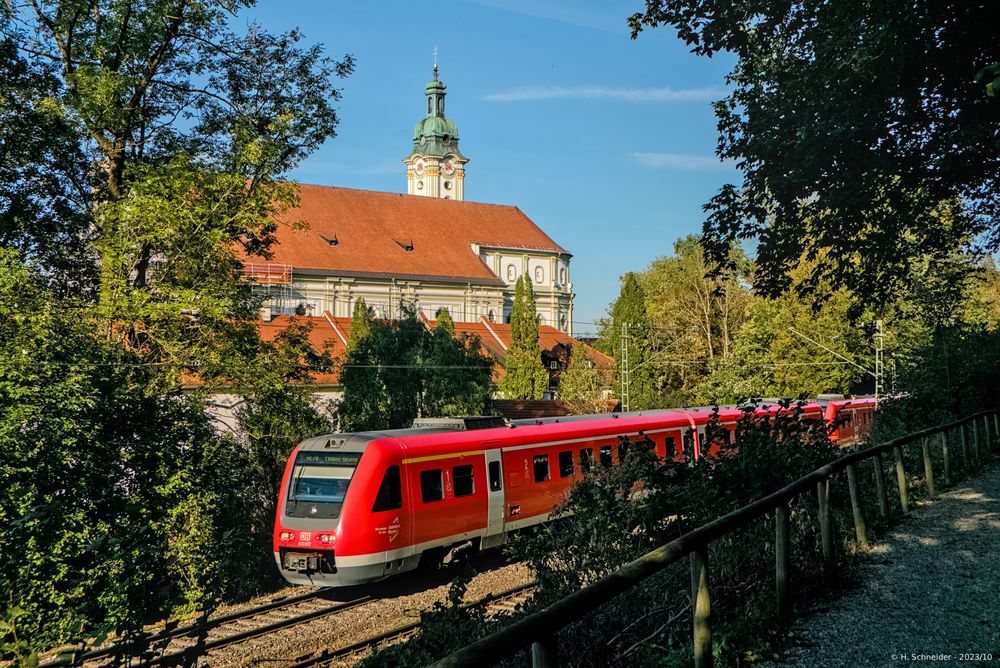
(436, 135)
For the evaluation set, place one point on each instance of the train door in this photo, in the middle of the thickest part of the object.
(495, 513)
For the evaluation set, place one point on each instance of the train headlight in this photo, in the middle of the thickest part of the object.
(328, 538)
(287, 535)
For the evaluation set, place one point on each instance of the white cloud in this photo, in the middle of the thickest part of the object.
(683, 161)
(664, 94)
(562, 12)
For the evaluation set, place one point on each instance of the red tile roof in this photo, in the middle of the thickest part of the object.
(327, 333)
(496, 338)
(367, 233)
(332, 334)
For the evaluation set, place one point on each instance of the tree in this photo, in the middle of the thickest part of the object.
(361, 323)
(858, 127)
(524, 375)
(190, 127)
(116, 503)
(400, 370)
(695, 316)
(44, 188)
(631, 309)
(582, 386)
(458, 379)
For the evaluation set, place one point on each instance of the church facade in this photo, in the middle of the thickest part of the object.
(430, 248)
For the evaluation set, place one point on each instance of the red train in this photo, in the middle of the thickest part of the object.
(356, 508)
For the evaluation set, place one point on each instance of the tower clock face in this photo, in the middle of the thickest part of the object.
(449, 167)
(419, 167)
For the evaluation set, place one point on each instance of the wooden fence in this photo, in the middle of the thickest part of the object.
(540, 629)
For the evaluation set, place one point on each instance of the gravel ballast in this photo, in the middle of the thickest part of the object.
(930, 591)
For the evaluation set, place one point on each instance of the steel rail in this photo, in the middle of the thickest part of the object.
(200, 625)
(400, 632)
(199, 649)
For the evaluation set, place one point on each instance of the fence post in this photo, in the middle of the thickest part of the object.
(996, 427)
(975, 441)
(883, 498)
(904, 496)
(986, 432)
(781, 561)
(825, 518)
(545, 652)
(946, 455)
(928, 468)
(702, 609)
(965, 447)
(859, 518)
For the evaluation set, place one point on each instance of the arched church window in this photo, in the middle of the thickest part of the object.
(562, 321)
(429, 107)
(441, 106)
(447, 185)
(492, 316)
(562, 276)
(420, 185)
(511, 272)
(539, 274)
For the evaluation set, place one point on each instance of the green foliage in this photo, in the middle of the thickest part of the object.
(459, 377)
(860, 182)
(631, 309)
(524, 375)
(361, 323)
(119, 501)
(44, 189)
(400, 369)
(582, 385)
(116, 503)
(770, 360)
(696, 317)
(190, 127)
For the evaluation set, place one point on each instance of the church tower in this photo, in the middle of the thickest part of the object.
(435, 166)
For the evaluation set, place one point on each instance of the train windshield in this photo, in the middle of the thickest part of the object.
(322, 477)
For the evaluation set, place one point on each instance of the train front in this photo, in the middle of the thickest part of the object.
(320, 513)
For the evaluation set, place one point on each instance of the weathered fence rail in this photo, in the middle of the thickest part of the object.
(540, 629)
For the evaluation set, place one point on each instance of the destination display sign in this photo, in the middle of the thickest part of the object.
(315, 458)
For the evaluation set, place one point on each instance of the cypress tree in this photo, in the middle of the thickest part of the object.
(630, 308)
(361, 323)
(444, 320)
(525, 376)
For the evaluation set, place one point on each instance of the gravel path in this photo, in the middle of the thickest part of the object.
(930, 592)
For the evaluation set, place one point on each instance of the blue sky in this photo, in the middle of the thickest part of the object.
(605, 142)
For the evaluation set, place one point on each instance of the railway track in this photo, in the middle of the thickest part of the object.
(181, 645)
(505, 601)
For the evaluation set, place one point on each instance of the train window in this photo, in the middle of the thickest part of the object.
(606, 455)
(565, 464)
(431, 488)
(586, 458)
(390, 493)
(541, 464)
(496, 481)
(462, 476)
